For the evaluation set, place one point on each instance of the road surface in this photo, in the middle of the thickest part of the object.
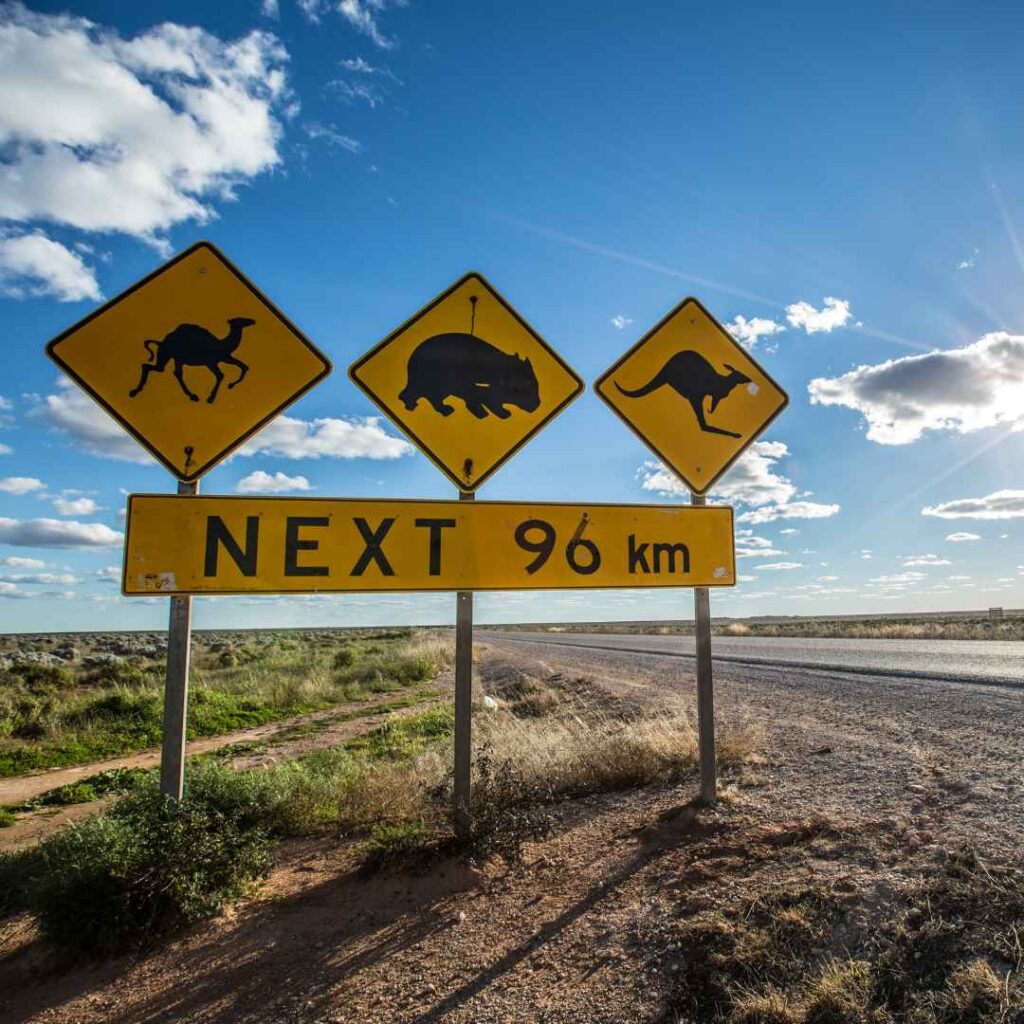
(994, 662)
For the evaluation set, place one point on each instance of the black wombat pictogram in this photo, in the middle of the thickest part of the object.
(464, 366)
(192, 345)
(691, 376)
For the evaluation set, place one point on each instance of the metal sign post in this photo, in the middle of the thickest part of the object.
(179, 652)
(462, 811)
(705, 684)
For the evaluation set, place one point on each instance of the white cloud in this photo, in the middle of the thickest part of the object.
(318, 131)
(277, 483)
(104, 133)
(910, 561)
(57, 533)
(780, 565)
(968, 263)
(997, 505)
(620, 322)
(789, 531)
(20, 485)
(16, 562)
(270, 8)
(903, 577)
(752, 480)
(75, 506)
(41, 578)
(791, 510)
(34, 265)
(961, 537)
(356, 437)
(962, 389)
(109, 574)
(749, 332)
(6, 449)
(73, 412)
(960, 578)
(749, 545)
(835, 313)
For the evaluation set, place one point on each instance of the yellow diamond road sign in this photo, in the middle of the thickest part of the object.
(191, 361)
(468, 380)
(692, 394)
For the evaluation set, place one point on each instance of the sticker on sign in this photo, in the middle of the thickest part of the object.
(230, 545)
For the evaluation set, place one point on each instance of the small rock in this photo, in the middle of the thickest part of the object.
(460, 918)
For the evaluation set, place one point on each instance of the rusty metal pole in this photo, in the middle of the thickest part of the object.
(463, 705)
(179, 652)
(705, 684)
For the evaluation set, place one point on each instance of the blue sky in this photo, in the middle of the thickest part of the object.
(842, 188)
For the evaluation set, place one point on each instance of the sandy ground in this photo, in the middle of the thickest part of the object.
(859, 785)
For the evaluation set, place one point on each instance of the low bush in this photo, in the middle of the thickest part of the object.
(146, 867)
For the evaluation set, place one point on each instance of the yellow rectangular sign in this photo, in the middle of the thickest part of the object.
(228, 545)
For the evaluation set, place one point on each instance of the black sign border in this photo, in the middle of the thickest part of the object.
(423, 447)
(51, 351)
(646, 440)
(455, 507)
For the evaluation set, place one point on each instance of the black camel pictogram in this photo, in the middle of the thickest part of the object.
(192, 345)
(691, 376)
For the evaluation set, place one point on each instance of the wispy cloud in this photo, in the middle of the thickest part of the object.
(319, 132)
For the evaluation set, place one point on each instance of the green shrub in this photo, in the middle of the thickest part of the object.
(17, 871)
(344, 657)
(7, 818)
(401, 845)
(147, 867)
(114, 673)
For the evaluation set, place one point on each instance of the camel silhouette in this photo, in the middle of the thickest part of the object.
(192, 345)
(692, 377)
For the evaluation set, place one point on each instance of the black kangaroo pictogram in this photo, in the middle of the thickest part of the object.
(691, 376)
(192, 345)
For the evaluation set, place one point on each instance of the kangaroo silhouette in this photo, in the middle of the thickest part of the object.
(192, 345)
(467, 367)
(691, 376)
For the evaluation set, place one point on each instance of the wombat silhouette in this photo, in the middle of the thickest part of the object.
(192, 345)
(690, 375)
(467, 367)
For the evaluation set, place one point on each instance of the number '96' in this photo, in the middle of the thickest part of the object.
(538, 537)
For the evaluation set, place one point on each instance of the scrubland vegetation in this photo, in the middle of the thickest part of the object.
(145, 866)
(926, 627)
(81, 707)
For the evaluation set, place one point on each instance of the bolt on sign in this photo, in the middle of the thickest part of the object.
(692, 394)
(468, 380)
(233, 545)
(191, 361)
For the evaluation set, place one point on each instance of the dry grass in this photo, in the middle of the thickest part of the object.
(940, 949)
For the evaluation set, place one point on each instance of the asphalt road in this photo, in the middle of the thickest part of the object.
(999, 662)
